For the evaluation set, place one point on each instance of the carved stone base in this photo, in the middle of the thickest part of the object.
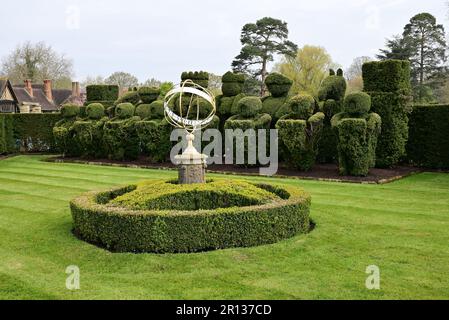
(192, 173)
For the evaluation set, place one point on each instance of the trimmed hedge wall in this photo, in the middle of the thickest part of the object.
(102, 93)
(388, 83)
(27, 132)
(428, 144)
(123, 229)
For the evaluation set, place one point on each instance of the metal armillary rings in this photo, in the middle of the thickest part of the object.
(185, 121)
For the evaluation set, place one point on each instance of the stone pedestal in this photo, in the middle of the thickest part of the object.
(192, 164)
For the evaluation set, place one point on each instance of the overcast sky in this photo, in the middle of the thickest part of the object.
(161, 39)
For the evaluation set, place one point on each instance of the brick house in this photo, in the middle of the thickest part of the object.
(36, 98)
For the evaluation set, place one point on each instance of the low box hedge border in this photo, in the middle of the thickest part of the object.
(119, 229)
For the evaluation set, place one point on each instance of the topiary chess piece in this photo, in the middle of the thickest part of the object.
(232, 88)
(249, 116)
(89, 132)
(300, 131)
(120, 134)
(357, 132)
(276, 104)
(64, 133)
(153, 131)
(331, 96)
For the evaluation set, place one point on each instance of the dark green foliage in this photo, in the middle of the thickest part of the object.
(333, 87)
(154, 137)
(388, 83)
(299, 133)
(232, 84)
(120, 134)
(102, 93)
(429, 135)
(88, 136)
(7, 141)
(83, 113)
(278, 84)
(149, 94)
(302, 106)
(121, 139)
(357, 135)
(105, 103)
(70, 111)
(387, 76)
(331, 95)
(199, 77)
(95, 111)
(357, 103)
(248, 117)
(283, 215)
(154, 132)
(249, 107)
(132, 97)
(27, 132)
(260, 42)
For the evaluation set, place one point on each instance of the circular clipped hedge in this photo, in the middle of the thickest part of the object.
(249, 106)
(164, 217)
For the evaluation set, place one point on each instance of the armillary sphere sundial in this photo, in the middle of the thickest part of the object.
(192, 163)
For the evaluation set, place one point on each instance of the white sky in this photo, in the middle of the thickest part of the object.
(161, 39)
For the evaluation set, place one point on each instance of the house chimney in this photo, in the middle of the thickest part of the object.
(47, 90)
(76, 89)
(29, 87)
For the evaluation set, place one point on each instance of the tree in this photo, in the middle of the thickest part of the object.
(152, 83)
(91, 80)
(37, 62)
(354, 74)
(355, 70)
(396, 48)
(307, 69)
(427, 41)
(261, 41)
(122, 79)
(423, 43)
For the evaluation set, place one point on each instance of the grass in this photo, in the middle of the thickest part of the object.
(402, 227)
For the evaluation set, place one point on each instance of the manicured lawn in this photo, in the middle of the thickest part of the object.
(401, 227)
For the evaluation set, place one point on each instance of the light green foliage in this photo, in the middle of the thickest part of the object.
(95, 111)
(357, 133)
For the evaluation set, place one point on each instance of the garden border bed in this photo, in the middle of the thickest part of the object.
(320, 172)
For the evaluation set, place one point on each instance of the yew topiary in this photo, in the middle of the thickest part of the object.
(279, 87)
(300, 132)
(357, 132)
(331, 96)
(120, 134)
(248, 116)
